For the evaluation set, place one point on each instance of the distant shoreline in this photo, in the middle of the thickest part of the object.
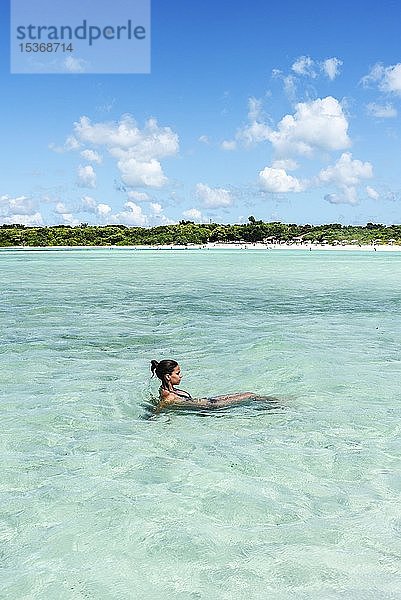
(219, 246)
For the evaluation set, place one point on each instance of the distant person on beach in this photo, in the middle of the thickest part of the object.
(169, 373)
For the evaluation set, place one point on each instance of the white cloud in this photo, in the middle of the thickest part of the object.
(71, 143)
(34, 220)
(69, 219)
(86, 176)
(138, 196)
(347, 196)
(254, 133)
(319, 124)
(193, 214)
(89, 205)
(346, 175)
(103, 209)
(256, 130)
(346, 171)
(75, 65)
(213, 197)
(134, 172)
(157, 216)
(289, 82)
(278, 181)
(20, 210)
(229, 145)
(372, 193)
(150, 142)
(137, 151)
(304, 65)
(91, 156)
(290, 87)
(388, 78)
(156, 208)
(382, 111)
(331, 67)
(132, 215)
(20, 205)
(285, 163)
(204, 139)
(254, 108)
(60, 208)
(307, 67)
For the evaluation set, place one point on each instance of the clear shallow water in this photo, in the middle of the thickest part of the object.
(302, 501)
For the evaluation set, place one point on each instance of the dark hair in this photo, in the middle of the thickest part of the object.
(163, 368)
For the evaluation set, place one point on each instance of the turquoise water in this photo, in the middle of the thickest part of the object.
(100, 502)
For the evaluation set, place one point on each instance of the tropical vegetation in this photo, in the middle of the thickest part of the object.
(187, 232)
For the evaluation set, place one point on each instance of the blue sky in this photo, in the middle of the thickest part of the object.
(287, 111)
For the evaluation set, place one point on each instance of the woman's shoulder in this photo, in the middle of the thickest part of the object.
(166, 396)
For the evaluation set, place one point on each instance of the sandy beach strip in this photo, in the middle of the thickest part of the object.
(307, 246)
(220, 246)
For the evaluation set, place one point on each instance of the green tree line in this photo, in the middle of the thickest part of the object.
(187, 232)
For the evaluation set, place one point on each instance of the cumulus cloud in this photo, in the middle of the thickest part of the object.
(19, 205)
(193, 214)
(156, 208)
(307, 67)
(331, 67)
(289, 83)
(60, 208)
(204, 139)
(347, 196)
(213, 197)
(316, 125)
(70, 219)
(304, 65)
(131, 215)
(144, 144)
(103, 209)
(71, 143)
(346, 174)
(19, 210)
(140, 173)
(138, 196)
(278, 181)
(388, 79)
(382, 111)
(89, 205)
(34, 220)
(91, 156)
(86, 176)
(256, 130)
(372, 193)
(285, 163)
(229, 145)
(346, 171)
(137, 151)
(253, 132)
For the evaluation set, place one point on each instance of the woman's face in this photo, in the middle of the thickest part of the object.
(175, 375)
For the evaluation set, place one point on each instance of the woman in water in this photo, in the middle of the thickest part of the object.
(169, 373)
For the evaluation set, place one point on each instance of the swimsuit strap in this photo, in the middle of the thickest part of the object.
(182, 394)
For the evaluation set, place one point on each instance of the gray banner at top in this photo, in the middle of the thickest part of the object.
(80, 36)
